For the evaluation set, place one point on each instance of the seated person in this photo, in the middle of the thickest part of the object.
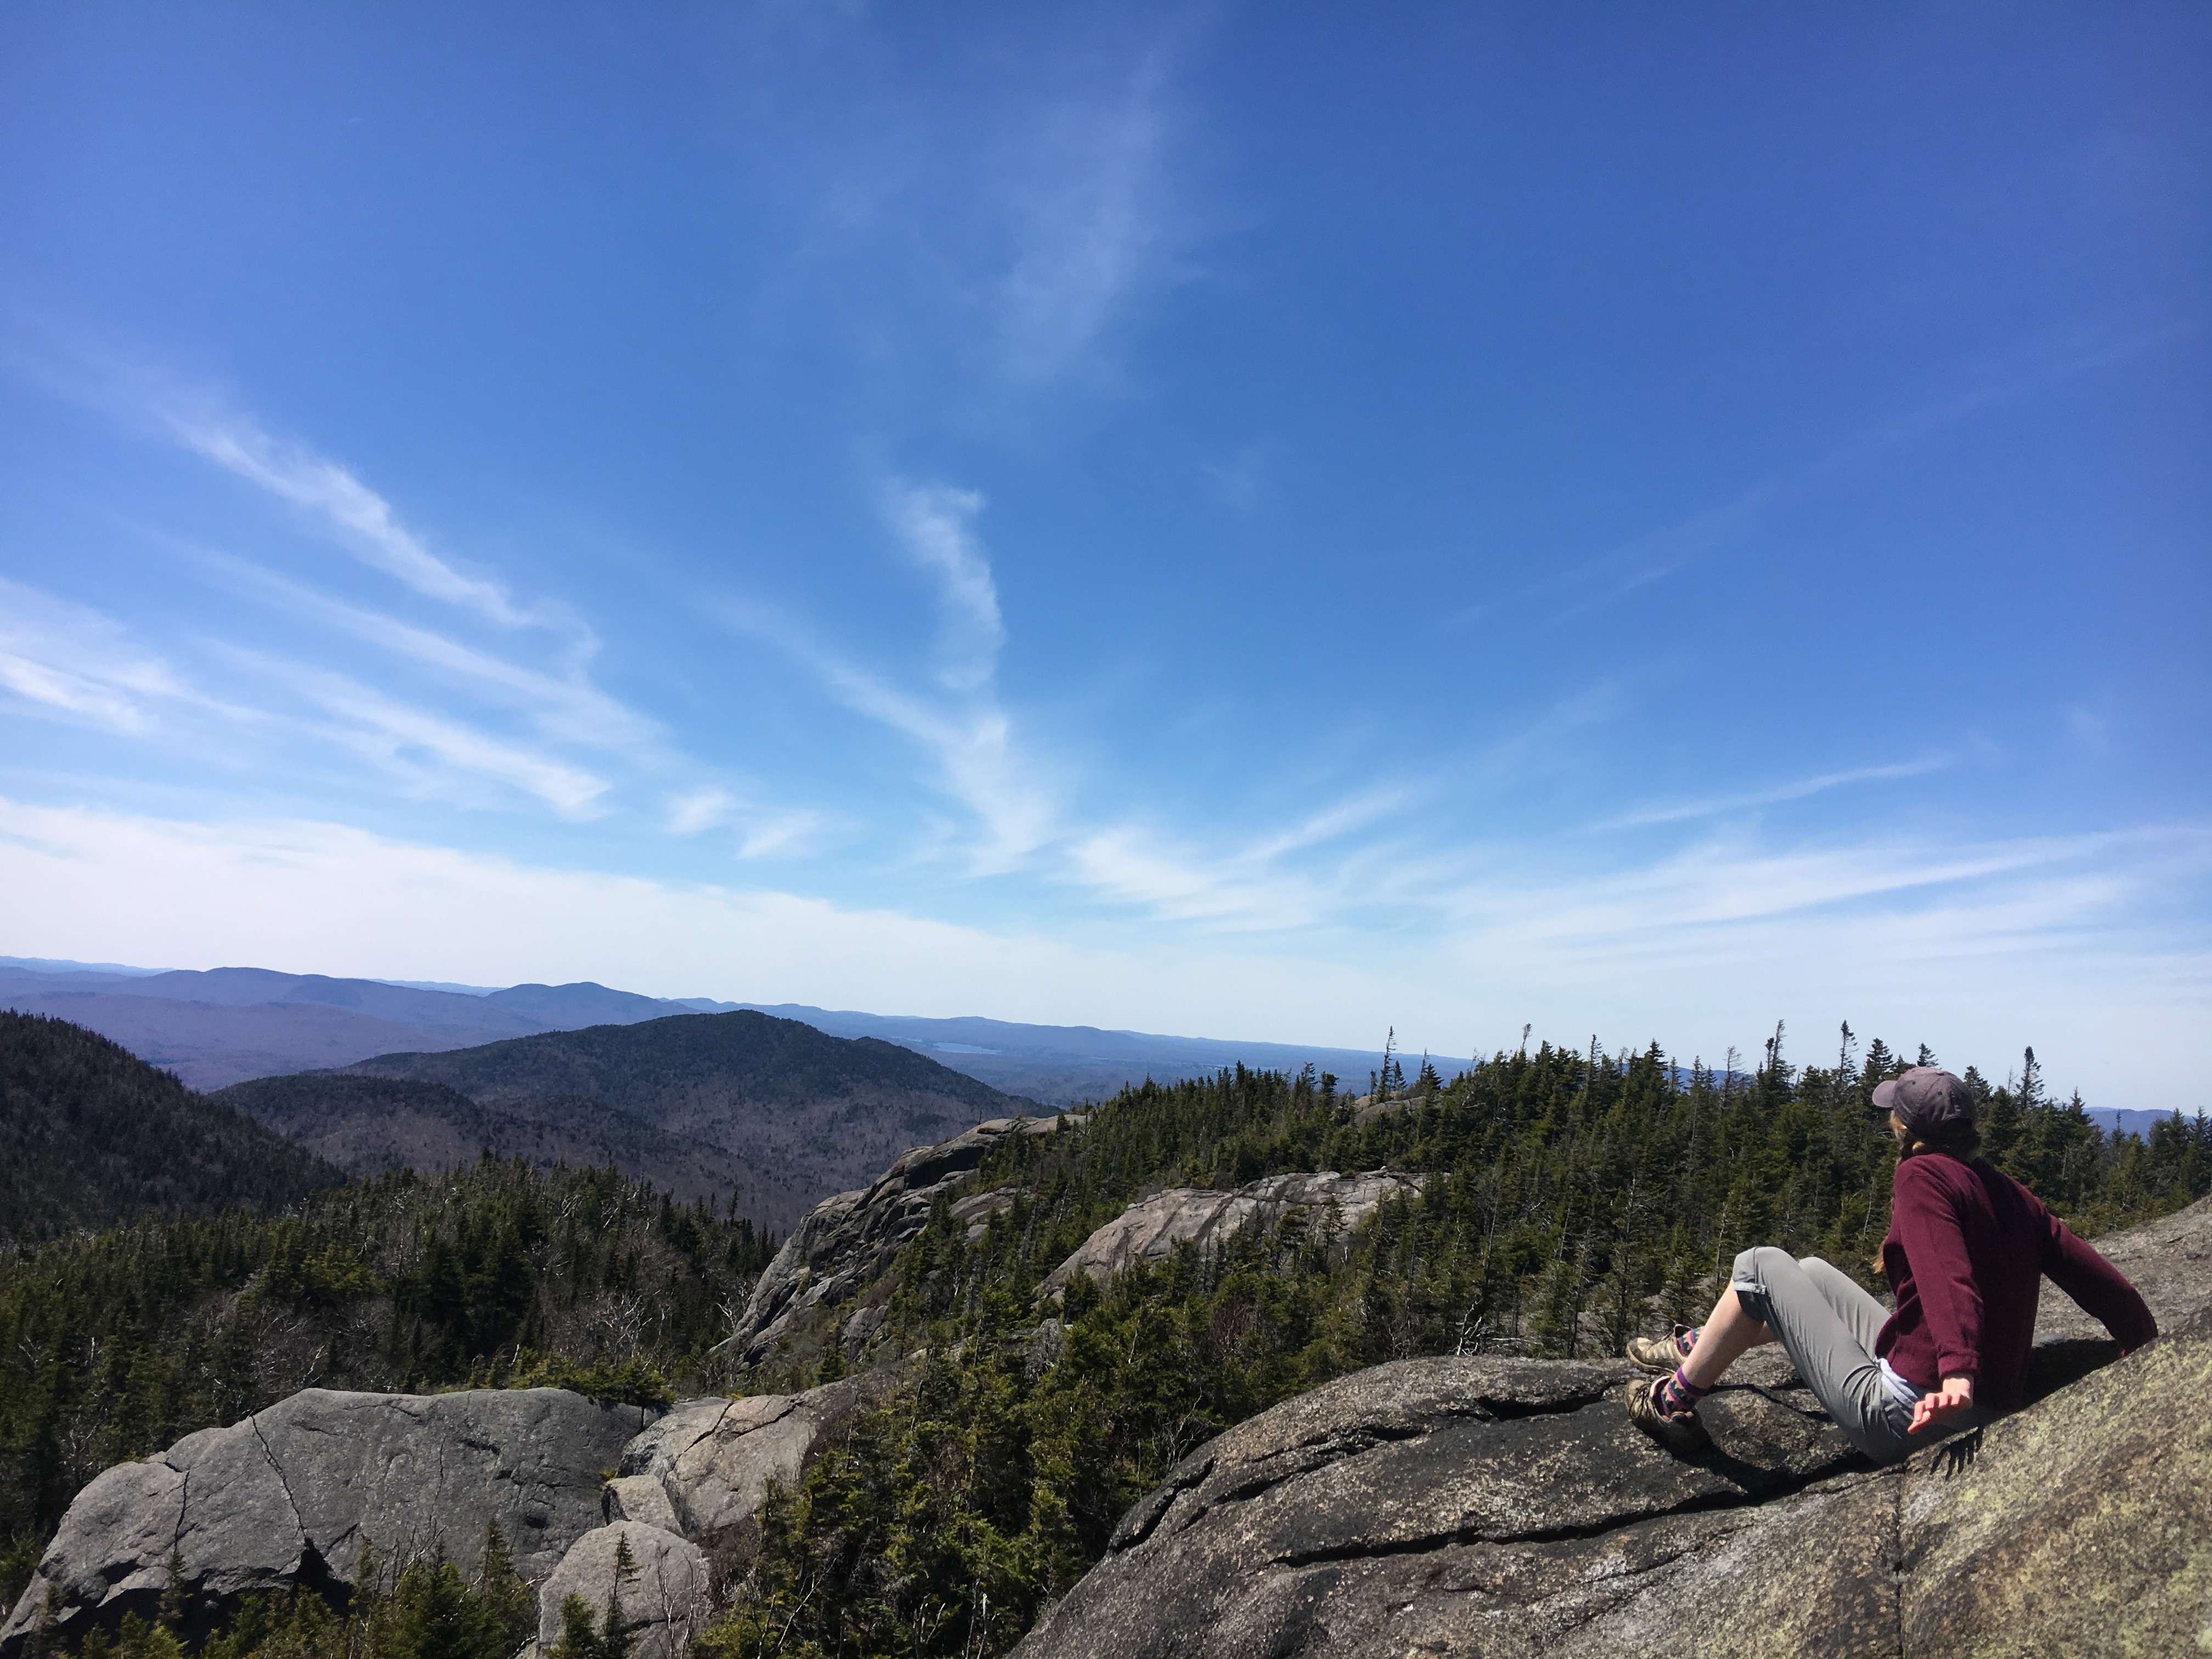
(1966, 1252)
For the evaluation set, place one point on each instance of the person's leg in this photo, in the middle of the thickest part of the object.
(1853, 1304)
(1727, 1334)
(1857, 1308)
(1833, 1350)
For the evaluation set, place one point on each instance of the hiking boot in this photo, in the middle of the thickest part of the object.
(1659, 1353)
(1681, 1432)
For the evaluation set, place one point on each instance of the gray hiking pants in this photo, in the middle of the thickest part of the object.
(1827, 1326)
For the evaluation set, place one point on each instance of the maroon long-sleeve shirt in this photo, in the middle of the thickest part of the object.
(1966, 1252)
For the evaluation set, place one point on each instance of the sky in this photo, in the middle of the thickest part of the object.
(1267, 522)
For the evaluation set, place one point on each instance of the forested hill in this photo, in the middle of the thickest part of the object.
(91, 1136)
(366, 1125)
(808, 1114)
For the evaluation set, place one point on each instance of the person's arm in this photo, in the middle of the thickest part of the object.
(2100, 1289)
(1943, 1273)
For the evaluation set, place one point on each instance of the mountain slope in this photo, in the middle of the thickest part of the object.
(218, 1026)
(365, 1125)
(90, 1136)
(806, 1113)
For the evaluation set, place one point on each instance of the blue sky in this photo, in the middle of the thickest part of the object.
(1244, 521)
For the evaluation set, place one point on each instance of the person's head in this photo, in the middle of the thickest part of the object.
(1930, 1110)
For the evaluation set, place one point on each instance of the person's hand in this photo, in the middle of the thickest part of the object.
(1956, 1395)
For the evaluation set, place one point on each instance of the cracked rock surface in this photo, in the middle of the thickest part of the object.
(711, 1461)
(1416, 1494)
(290, 1494)
(844, 1243)
(1151, 1229)
(664, 1598)
(1506, 1508)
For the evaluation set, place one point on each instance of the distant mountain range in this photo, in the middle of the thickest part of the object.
(224, 1025)
(781, 1112)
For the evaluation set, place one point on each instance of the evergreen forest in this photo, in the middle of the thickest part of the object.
(1567, 1197)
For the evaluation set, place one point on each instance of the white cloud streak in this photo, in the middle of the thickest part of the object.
(1092, 226)
(936, 524)
(403, 738)
(1649, 558)
(966, 733)
(68, 661)
(760, 834)
(971, 747)
(1681, 812)
(363, 520)
(567, 707)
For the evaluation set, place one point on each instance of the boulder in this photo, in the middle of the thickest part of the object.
(1152, 1228)
(1325, 1512)
(844, 1243)
(291, 1495)
(638, 1498)
(712, 1460)
(663, 1595)
(1487, 1507)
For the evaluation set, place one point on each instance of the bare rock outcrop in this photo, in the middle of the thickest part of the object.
(706, 1466)
(1493, 1508)
(846, 1241)
(663, 1594)
(1312, 1517)
(1152, 1228)
(291, 1495)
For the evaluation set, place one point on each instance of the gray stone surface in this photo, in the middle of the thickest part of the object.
(291, 1494)
(1334, 1508)
(846, 1241)
(639, 1497)
(1152, 1228)
(664, 1598)
(714, 1459)
(1505, 1508)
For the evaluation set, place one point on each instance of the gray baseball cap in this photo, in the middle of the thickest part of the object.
(1927, 1097)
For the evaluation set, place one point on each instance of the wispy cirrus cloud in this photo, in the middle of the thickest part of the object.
(362, 519)
(1094, 221)
(759, 832)
(969, 743)
(433, 753)
(1714, 806)
(1635, 563)
(963, 727)
(65, 660)
(936, 525)
(566, 706)
(410, 730)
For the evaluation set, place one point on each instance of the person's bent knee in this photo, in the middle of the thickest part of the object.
(1754, 1266)
(1754, 1272)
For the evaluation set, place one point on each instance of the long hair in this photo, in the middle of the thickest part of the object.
(1959, 1140)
